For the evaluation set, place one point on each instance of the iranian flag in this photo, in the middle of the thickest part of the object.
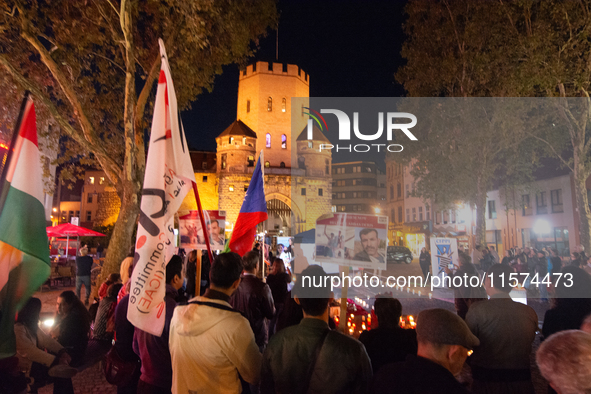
(24, 252)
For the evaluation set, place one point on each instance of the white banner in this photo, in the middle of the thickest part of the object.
(444, 253)
(168, 178)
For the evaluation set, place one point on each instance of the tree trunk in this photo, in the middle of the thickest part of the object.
(121, 241)
(480, 213)
(580, 176)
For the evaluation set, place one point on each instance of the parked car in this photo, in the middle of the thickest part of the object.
(399, 254)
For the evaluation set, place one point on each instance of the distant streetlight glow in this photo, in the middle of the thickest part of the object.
(542, 227)
(377, 210)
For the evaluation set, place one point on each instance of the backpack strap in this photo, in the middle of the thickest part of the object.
(312, 365)
(215, 305)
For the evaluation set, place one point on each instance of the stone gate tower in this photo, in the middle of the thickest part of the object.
(264, 122)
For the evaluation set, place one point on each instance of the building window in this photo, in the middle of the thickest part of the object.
(204, 178)
(492, 209)
(268, 140)
(247, 106)
(320, 192)
(420, 214)
(77, 214)
(303, 191)
(101, 180)
(310, 144)
(427, 213)
(392, 215)
(283, 104)
(63, 215)
(282, 165)
(204, 165)
(267, 164)
(407, 190)
(414, 214)
(91, 180)
(541, 205)
(250, 161)
(527, 208)
(224, 156)
(231, 140)
(88, 216)
(391, 192)
(407, 215)
(269, 104)
(243, 140)
(556, 199)
(283, 141)
(399, 190)
(326, 167)
(437, 217)
(231, 188)
(245, 188)
(89, 199)
(400, 220)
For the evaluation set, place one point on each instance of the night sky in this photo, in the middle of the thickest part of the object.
(349, 49)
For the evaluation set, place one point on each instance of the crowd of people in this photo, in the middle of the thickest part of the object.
(243, 334)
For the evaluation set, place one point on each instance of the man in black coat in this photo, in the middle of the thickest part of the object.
(83, 268)
(253, 298)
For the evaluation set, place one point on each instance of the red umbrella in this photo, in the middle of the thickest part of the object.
(67, 229)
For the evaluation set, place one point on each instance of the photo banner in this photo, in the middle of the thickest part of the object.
(352, 240)
(191, 231)
(444, 253)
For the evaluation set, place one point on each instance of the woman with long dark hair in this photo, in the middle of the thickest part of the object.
(278, 280)
(73, 326)
(39, 355)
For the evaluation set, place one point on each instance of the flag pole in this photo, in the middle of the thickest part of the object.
(203, 226)
(264, 266)
(17, 127)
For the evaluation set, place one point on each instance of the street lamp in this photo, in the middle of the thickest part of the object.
(542, 226)
(377, 210)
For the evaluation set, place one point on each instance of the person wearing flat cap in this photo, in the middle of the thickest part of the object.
(445, 341)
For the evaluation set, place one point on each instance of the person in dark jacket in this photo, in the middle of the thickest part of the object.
(103, 325)
(124, 344)
(556, 263)
(338, 362)
(444, 344)
(278, 280)
(571, 304)
(388, 343)
(465, 295)
(253, 298)
(425, 262)
(83, 267)
(191, 274)
(507, 258)
(156, 377)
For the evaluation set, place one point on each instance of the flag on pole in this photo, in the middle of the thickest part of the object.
(253, 212)
(24, 252)
(168, 178)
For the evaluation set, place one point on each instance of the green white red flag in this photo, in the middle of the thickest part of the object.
(24, 252)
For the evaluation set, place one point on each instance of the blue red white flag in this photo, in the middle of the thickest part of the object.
(168, 178)
(253, 212)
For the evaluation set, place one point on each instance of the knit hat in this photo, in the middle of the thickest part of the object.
(441, 326)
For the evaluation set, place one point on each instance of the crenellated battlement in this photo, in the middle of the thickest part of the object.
(275, 69)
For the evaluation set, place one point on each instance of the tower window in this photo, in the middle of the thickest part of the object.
(320, 192)
(303, 191)
(270, 104)
(224, 156)
(267, 164)
(282, 165)
(250, 161)
(204, 178)
(327, 167)
(268, 140)
(243, 140)
(310, 144)
(283, 141)
(231, 141)
(247, 106)
(231, 188)
(283, 104)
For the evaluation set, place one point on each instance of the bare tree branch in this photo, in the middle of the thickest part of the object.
(552, 148)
